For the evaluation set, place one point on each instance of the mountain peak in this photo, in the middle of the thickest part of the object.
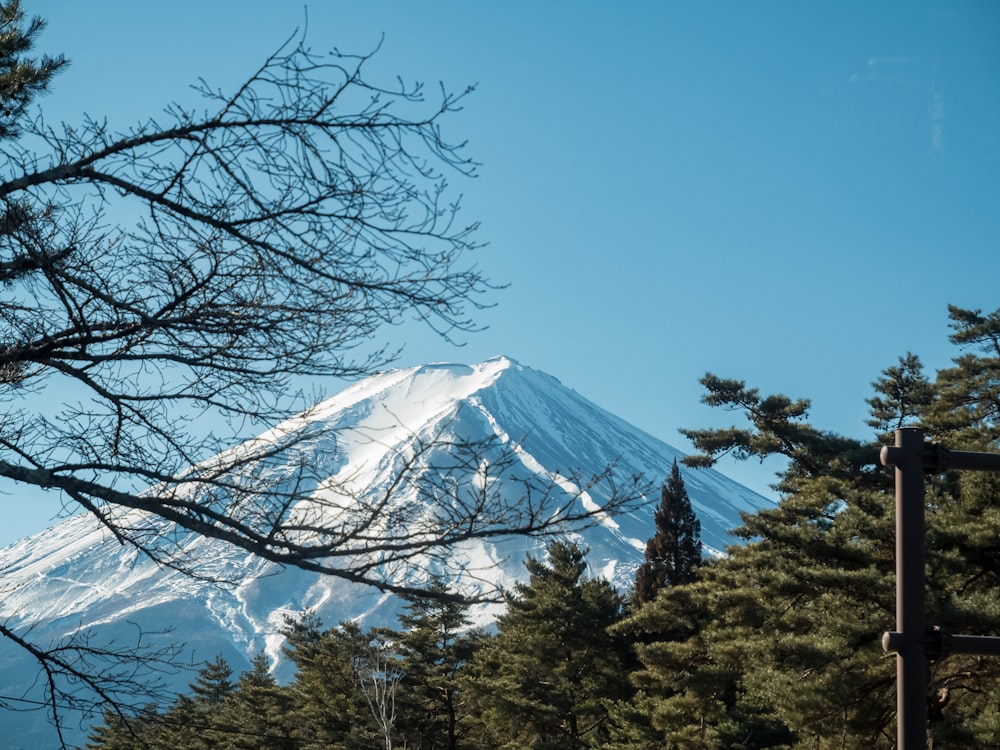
(75, 577)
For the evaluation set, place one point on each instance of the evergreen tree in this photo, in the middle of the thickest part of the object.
(435, 647)
(249, 714)
(213, 684)
(784, 630)
(967, 410)
(548, 676)
(629, 724)
(689, 686)
(778, 643)
(118, 732)
(328, 710)
(902, 395)
(194, 721)
(673, 553)
(777, 426)
(255, 713)
(22, 78)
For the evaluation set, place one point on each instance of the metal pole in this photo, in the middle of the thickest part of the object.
(909, 639)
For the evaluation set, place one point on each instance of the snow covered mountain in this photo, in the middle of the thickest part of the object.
(75, 577)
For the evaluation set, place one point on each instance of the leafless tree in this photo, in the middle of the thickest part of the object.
(378, 672)
(187, 273)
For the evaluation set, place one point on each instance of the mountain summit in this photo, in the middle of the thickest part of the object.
(76, 578)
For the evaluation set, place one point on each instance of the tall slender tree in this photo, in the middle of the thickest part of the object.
(435, 646)
(673, 553)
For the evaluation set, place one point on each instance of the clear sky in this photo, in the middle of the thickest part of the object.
(786, 192)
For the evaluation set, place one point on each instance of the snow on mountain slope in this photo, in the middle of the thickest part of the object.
(75, 576)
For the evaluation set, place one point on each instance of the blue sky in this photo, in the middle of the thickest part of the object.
(786, 192)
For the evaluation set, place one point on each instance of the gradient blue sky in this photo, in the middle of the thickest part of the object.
(787, 192)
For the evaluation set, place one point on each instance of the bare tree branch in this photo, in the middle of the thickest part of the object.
(184, 274)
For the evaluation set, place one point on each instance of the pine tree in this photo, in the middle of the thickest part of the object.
(902, 395)
(213, 684)
(194, 721)
(967, 410)
(118, 732)
(778, 643)
(803, 597)
(255, 713)
(673, 553)
(435, 647)
(21, 78)
(328, 709)
(547, 678)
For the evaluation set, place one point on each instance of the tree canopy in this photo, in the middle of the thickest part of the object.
(545, 679)
(778, 644)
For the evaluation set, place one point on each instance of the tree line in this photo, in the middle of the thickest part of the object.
(776, 644)
(543, 678)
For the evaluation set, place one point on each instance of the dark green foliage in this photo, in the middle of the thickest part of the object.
(777, 426)
(195, 720)
(548, 677)
(629, 725)
(783, 631)
(121, 733)
(968, 404)
(778, 643)
(690, 693)
(213, 684)
(257, 712)
(674, 551)
(22, 77)
(902, 395)
(328, 710)
(434, 645)
(552, 677)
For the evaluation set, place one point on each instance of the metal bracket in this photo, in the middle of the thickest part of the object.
(937, 644)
